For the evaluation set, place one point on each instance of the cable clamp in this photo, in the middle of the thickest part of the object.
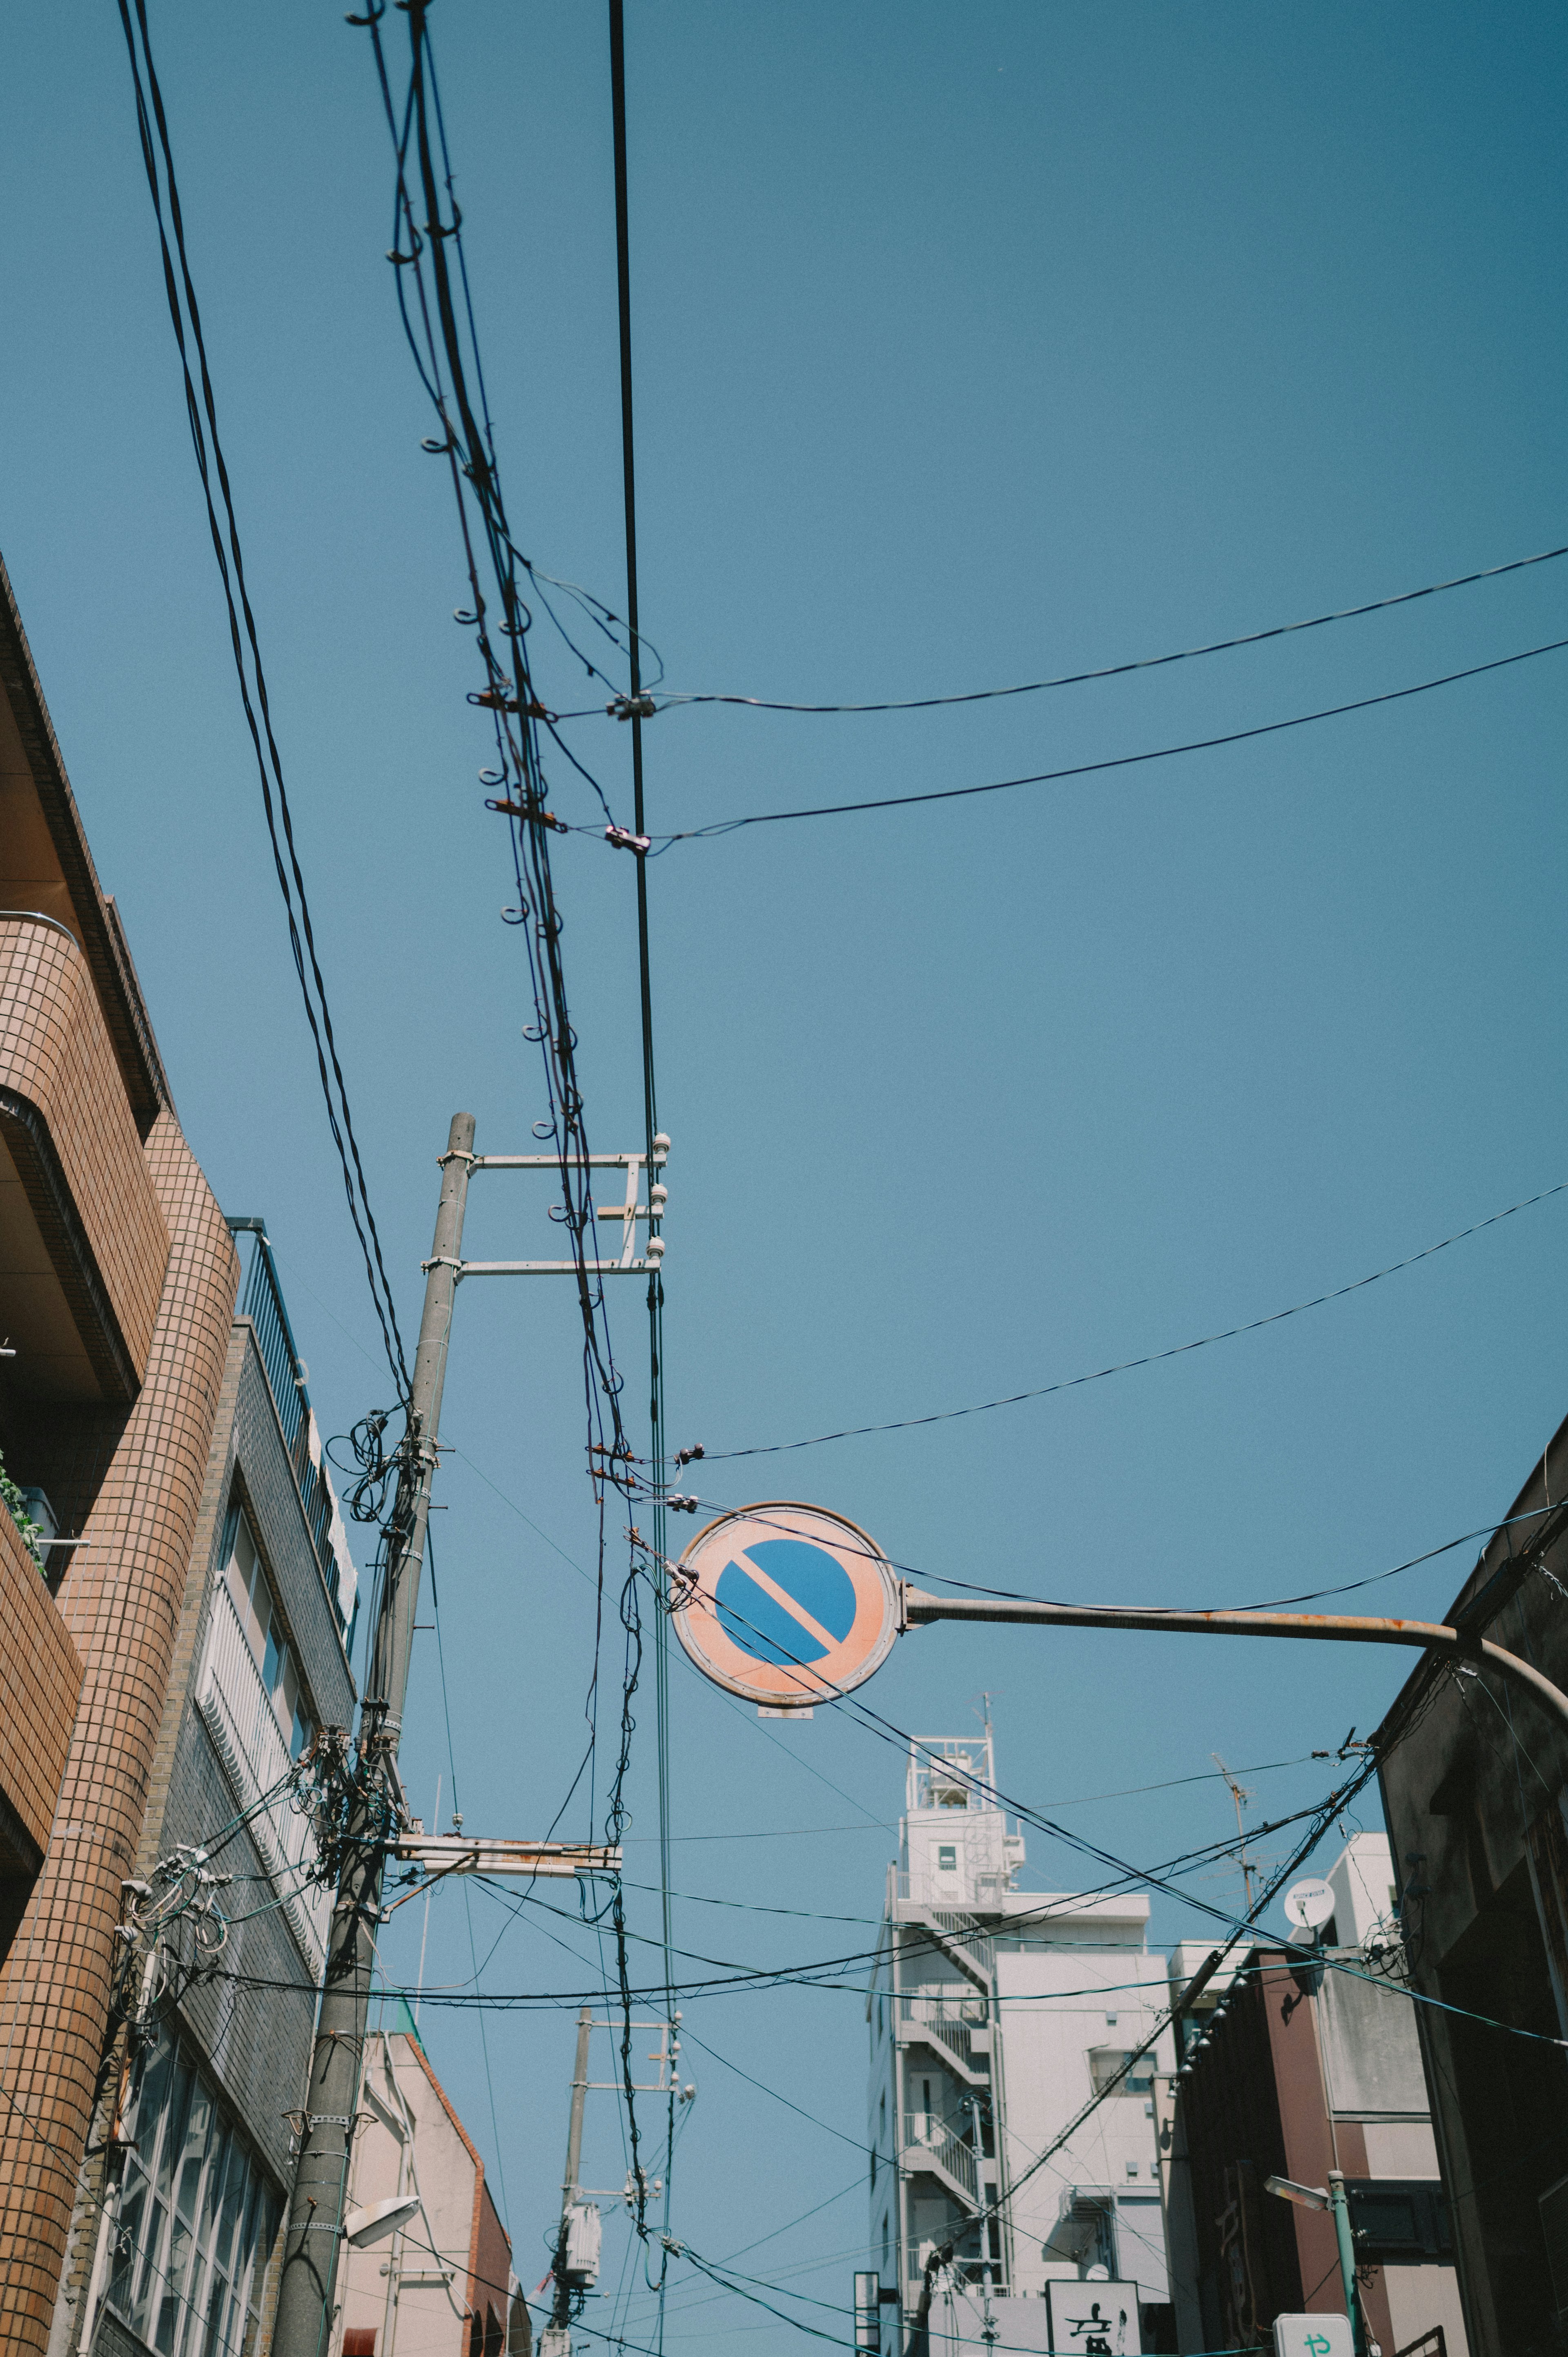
(624, 840)
(541, 818)
(441, 1260)
(632, 707)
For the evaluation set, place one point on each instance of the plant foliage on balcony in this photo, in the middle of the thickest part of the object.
(16, 1506)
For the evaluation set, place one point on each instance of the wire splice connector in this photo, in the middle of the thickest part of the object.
(624, 840)
(632, 707)
(516, 809)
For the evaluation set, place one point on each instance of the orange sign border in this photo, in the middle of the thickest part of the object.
(775, 1684)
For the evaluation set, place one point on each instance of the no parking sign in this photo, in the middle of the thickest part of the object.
(786, 1604)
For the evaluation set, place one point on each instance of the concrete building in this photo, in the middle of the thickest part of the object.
(996, 2015)
(1474, 1774)
(432, 2274)
(1297, 2060)
(180, 2197)
(117, 1286)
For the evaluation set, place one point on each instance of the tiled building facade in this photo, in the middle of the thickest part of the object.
(141, 1432)
(173, 2239)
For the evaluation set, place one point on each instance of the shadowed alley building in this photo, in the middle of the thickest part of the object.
(1474, 1773)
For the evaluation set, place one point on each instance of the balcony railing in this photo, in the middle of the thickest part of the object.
(930, 2143)
(262, 1301)
(237, 1711)
(945, 2022)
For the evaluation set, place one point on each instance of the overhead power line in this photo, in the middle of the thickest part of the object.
(1148, 1358)
(1143, 662)
(203, 421)
(1092, 769)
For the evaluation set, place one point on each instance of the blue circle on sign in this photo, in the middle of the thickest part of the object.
(761, 1626)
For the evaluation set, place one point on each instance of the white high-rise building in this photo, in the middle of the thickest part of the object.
(996, 2015)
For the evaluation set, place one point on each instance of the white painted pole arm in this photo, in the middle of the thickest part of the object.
(1427, 1636)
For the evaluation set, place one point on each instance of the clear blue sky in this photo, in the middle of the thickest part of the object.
(973, 344)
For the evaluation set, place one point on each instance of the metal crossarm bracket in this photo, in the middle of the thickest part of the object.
(629, 1262)
(457, 1854)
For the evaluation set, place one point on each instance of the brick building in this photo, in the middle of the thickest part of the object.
(1297, 2062)
(148, 1457)
(179, 2205)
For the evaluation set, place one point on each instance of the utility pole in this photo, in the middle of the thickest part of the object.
(987, 2318)
(555, 2341)
(314, 2236)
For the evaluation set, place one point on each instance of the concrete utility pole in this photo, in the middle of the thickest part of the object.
(555, 2341)
(314, 2236)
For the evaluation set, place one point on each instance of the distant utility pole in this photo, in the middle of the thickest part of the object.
(1239, 1792)
(555, 2341)
(313, 2240)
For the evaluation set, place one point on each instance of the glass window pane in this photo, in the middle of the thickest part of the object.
(171, 2292)
(125, 2243)
(173, 2127)
(150, 2275)
(147, 2111)
(235, 2193)
(217, 2300)
(196, 2134)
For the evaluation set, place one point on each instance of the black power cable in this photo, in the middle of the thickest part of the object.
(1094, 768)
(269, 764)
(437, 308)
(1143, 662)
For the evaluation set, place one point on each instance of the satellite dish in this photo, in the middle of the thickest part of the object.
(1309, 1904)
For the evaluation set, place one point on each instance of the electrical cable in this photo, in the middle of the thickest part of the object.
(1149, 1358)
(766, 1512)
(1092, 769)
(650, 1097)
(269, 764)
(428, 256)
(1146, 662)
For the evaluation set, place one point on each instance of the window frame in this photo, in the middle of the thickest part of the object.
(194, 2220)
(276, 1659)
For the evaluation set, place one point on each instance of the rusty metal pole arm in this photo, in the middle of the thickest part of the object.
(1425, 1636)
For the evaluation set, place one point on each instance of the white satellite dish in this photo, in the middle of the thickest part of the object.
(1309, 1905)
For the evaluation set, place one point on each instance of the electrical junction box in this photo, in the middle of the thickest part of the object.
(1314, 2336)
(585, 2232)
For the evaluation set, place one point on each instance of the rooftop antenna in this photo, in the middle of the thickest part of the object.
(1239, 1792)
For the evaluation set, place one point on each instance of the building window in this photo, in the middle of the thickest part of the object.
(258, 1713)
(253, 1595)
(947, 1857)
(195, 2221)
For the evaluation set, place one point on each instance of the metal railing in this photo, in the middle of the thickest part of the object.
(929, 2142)
(238, 1710)
(262, 1301)
(945, 2022)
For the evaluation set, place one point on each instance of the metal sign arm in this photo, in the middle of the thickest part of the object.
(1426, 1636)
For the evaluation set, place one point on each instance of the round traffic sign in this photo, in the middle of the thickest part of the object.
(786, 1604)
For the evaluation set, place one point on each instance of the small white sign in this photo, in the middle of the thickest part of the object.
(1314, 2336)
(1093, 2319)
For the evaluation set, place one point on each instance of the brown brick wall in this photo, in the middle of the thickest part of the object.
(121, 1605)
(56, 1053)
(40, 1678)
